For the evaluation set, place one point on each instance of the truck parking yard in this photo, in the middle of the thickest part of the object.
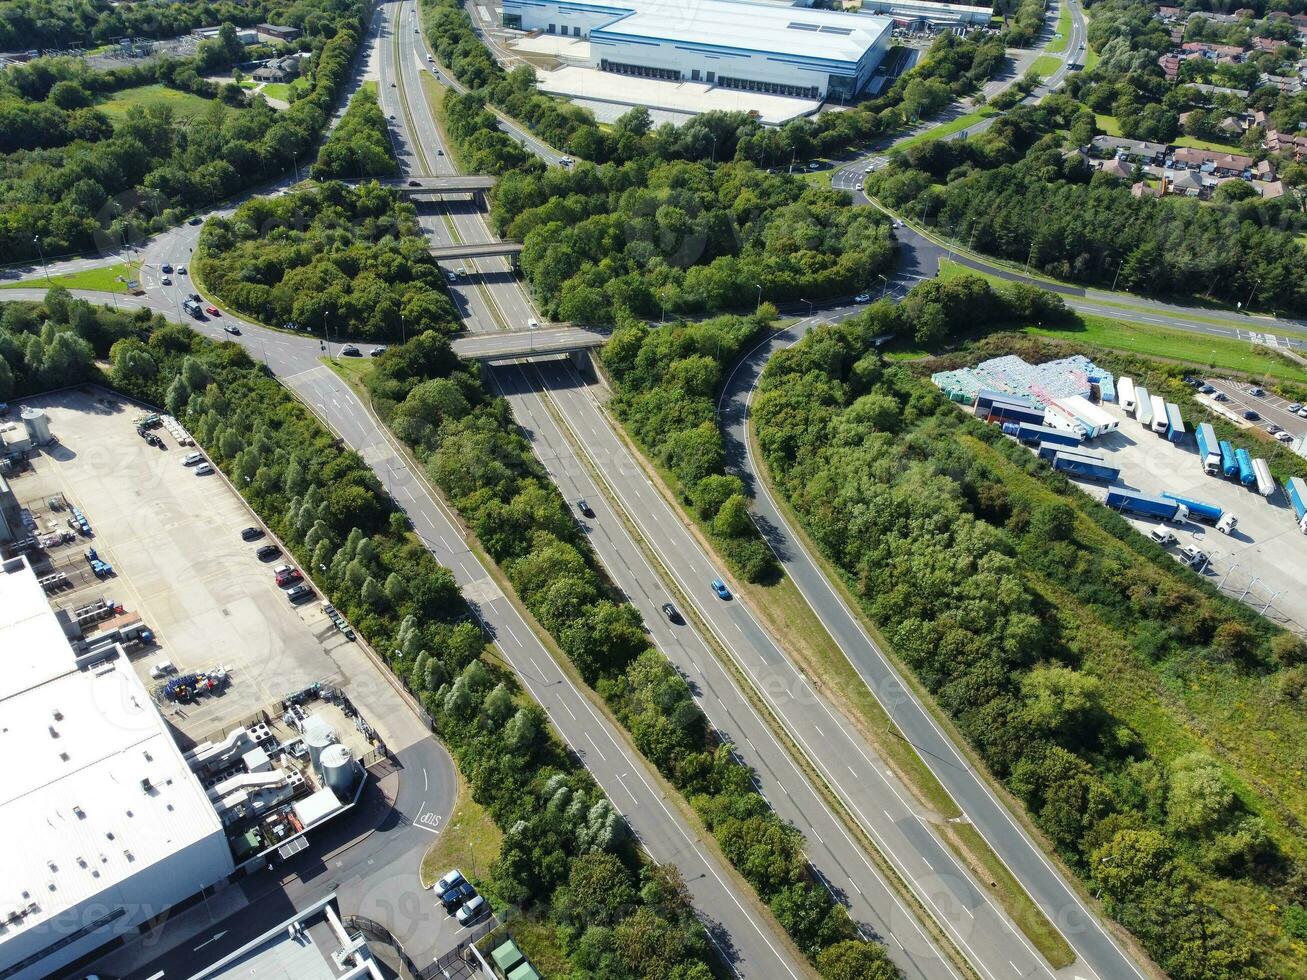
(170, 549)
(1260, 561)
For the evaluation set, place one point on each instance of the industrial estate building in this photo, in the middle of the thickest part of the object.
(105, 824)
(744, 45)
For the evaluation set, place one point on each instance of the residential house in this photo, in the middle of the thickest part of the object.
(1268, 44)
(1286, 84)
(1231, 125)
(1264, 170)
(1208, 161)
(1184, 182)
(1118, 168)
(278, 69)
(1170, 65)
(1269, 189)
(1144, 189)
(1136, 151)
(1278, 142)
(1213, 52)
(1238, 93)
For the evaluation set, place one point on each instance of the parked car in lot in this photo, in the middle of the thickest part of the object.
(1272, 428)
(455, 897)
(286, 574)
(1296, 407)
(447, 881)
(671, 613)
(720, 588)
(1284, 436)
(1256, 392)
(378, 351)
(472, 910)
(1207, 389)
(1301, 413)
(1251, 416)
(349, 350)
(268, 552)
(192, 459)
(299, 593)
(584, 507)
(251, 533)
(204, 469)
(1221, 396)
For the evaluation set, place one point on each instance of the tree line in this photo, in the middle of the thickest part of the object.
(351, 261)
(38, 24)
(467, 441)
(648, 239)
(360, 145)
(1039, 621)
(107, 183)
(567, 859)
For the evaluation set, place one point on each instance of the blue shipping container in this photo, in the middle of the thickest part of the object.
(1175, 430)
(1142, 503)
(1229, 464)
(1296, 489)
(1028, 432)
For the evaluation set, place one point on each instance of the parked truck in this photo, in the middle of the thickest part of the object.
(1246, 475)
(1143, 407)
(1295, 489)
(1131, 502)
(1175, 430)
(1028, 432)
(1209, 450)
(1125, 394)
(1087, 465)
(1265, 483)
(1229, 464)
(1200, 511)
(1160, 419)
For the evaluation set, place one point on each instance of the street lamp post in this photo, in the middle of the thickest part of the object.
(1119, 263)
(758, 305)
(885, 288)
(40, 251)
(403, 335)
(809, 302)
(1256, 283)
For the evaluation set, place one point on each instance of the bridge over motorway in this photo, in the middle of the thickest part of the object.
(433, 187)
(512, 345)
(481, 250)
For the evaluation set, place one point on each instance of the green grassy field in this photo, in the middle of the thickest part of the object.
(1198, 144)
(947, 129)
(1045, 65)
(183, 104)
(105, 280)
(1091, 58)
(1107, 124)
(1058, 44)
(282, 90)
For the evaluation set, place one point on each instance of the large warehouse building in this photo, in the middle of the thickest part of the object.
(733, 44)
(103, 823)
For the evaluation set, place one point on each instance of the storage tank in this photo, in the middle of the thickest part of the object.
(318, 737)
(1264, 481)
(38, 426)
(339, 770)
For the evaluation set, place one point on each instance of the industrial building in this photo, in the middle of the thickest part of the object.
(913, 12)
(745, 45)
(104, 823)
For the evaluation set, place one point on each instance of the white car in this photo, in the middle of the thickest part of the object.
(862, 298)
(191, 459)
(204, 469)
(1284, 436)
(1301, 413)
(472, 910)
(451, 878)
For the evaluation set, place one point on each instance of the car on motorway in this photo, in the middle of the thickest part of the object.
(862, 298)
(1256, 392)
(166, 280)
(1251, 416)
(181, 270)
(1284, 436)
(462, 272)
(415, 183)
(670, 611)
(455, 897)
(867, 170)
(204, 469)
(392, 84)
(192, 459)
(472, 910)
(378, 351)
(286, 574)
(349, 350)
(452, 277)
(299, 593)
(720, 588)
(565, 161)
(231, 328)
(268, 552)
(251, 533)
(197, 220)
(439, 152)
(584, 507)
(212, 310)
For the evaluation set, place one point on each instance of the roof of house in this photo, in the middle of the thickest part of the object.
(1141, 148)
(1193, 157)
(1115, 168)
(1143, 189)
(1184, 180)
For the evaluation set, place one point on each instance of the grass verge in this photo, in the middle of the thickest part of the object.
(110, 279)
(946, 129)
(353, 370)
(470, 841)
(1045, 65)
(183, 104)
(1063, 38)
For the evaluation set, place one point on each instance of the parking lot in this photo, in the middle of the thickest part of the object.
(1260, 562)
(174, 541)
(1270, 406)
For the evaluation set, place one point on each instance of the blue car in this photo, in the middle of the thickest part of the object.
(720, 588)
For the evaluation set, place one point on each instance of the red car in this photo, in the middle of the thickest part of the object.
(212, 311)
(286, 574)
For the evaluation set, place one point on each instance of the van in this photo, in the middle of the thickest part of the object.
(1161, 536)
(533, 324)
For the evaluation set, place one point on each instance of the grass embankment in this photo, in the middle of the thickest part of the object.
(470, 841)
(787, 614)
(1045, 65)
(354, 370)
(1063, 37)
(282, 90)
(183, 104)
(948, 128)
(110, 279)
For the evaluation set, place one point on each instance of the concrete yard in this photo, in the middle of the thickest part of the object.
(173, 539)
(1261, 561)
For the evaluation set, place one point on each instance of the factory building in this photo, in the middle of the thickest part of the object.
(745, 45)
(910, 12)
(103, 821)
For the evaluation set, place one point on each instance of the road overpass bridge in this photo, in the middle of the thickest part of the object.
(512, 345)
(481, 250)
(434, 188)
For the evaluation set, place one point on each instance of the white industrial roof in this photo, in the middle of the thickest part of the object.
(95, 788)
(744, 25)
